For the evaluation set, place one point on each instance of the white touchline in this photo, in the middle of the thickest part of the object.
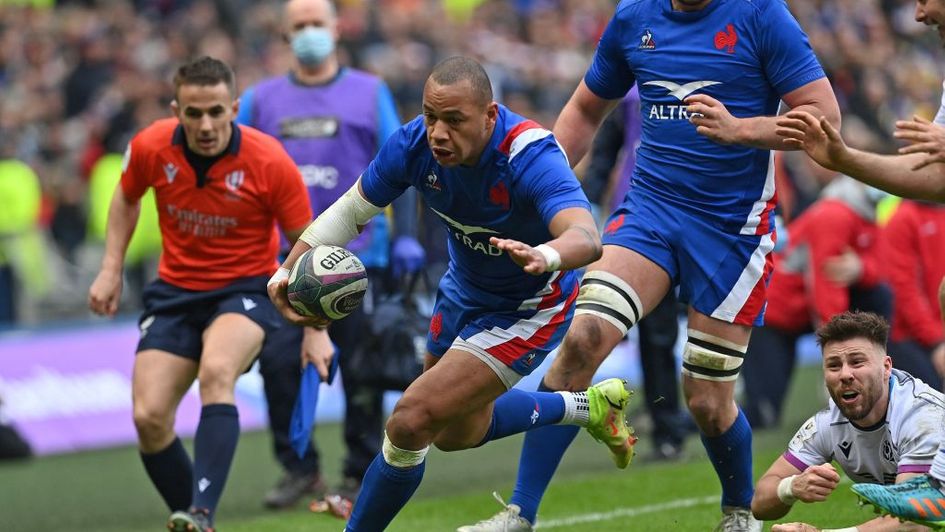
(639, 510)
(626, 512)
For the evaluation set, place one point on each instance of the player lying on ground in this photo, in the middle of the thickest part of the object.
(518, 224)
(881, 427)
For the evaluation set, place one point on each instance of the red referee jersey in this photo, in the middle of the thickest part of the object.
(225, 230)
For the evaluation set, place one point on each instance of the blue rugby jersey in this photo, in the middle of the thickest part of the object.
(745, 54)
(521, 181)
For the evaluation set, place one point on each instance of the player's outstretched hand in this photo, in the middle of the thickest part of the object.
(817, 137)
(278, 293)
(923, 137)
(815, 483)
(794, 527)
(317, 350)
(105, 293)
(527, 257)
(712, 119)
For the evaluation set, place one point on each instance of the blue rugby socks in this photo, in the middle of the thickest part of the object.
(542, 452)
(730, 453)
(171, 473)
(386, 488)
(517, 411)
(214, 447)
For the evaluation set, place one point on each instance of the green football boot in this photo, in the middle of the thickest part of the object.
(607, 401)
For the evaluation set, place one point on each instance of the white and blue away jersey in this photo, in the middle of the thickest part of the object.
(746, 54)
(905, 441)
(521, 181)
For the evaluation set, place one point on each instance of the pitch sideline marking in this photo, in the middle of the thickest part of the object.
(627, 512)
(635, 511)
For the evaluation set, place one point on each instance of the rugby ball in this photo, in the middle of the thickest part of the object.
(327, 282)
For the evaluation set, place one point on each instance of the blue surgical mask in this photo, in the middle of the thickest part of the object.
(312, 45)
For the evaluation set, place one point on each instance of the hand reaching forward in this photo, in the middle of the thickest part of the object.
(817, 137)
(527, 257)
(923, 137)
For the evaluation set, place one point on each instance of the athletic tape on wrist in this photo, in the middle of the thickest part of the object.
(551, 255)
(785, 493)
(281, 273)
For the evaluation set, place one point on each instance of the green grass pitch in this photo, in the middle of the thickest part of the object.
(107, 491)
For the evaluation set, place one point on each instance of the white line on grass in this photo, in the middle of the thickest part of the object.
(627, 512)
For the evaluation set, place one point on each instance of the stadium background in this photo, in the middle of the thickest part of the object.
(78, 78)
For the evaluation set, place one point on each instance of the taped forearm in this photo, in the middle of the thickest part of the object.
(342, 221)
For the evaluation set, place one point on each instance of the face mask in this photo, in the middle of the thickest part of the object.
(312, 45)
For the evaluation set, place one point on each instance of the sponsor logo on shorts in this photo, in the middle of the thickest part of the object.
(436, 326)
(145, 325)
(249, 304)
(614, 225)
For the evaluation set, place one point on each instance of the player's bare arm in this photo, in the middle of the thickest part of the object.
(713, 120)
(784, 484)
(902, 175)
(576, 244)
(337, 226)
(105, 292)
(579, 120)
(879, 524)
(923, 136)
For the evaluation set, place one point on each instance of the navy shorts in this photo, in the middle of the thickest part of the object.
(721, 273)
(175, 318)
(517, 333)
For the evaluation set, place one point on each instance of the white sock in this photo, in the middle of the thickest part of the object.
(576, 410)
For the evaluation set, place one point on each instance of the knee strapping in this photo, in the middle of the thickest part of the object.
(402, 458)
(610, 298)
(712, 358)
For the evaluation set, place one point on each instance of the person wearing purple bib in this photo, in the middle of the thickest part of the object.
(331, 120)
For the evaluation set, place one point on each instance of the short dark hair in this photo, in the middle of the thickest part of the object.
(460, 68)
(856, 324)
(205, 71)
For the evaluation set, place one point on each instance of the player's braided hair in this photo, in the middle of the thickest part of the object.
(205, 71)
(459, 68)
(856, 324)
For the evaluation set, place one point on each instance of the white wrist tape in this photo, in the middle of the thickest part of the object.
(785, 494)
(552, 257)
(340, 222)
(281, 273)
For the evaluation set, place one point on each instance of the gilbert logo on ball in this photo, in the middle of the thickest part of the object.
(327, 282)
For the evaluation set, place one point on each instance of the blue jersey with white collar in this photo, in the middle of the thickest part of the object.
(521, 181)
(746, 54)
